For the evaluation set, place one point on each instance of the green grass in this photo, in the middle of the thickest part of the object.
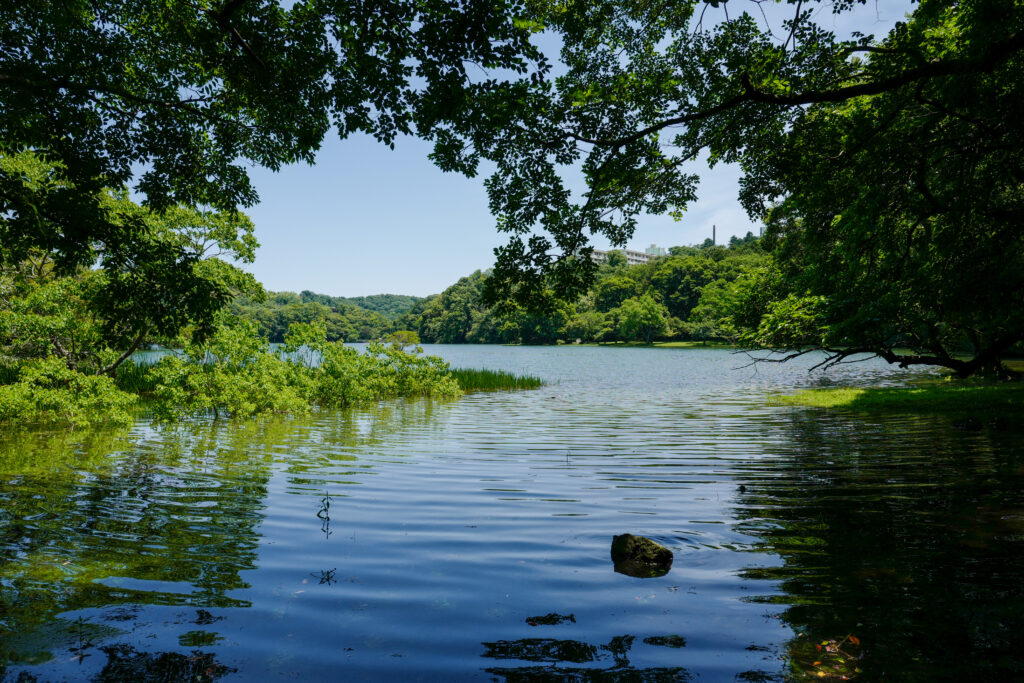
(134, 378)
(957, 398)
(493, 380)
(665, 345)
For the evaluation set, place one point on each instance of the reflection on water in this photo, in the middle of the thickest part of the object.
(905, 534)
(551, 656)
(422, 540)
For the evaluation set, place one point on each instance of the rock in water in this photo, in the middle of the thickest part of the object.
(640, 557)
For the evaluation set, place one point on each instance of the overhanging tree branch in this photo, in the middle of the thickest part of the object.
(997, 53)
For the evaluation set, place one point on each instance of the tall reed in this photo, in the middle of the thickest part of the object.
(135, 378)
(480, 379)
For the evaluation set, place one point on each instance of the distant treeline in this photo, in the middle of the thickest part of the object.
(694, 293)
(347, 319)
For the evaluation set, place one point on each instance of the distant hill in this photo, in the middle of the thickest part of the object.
(391, 306)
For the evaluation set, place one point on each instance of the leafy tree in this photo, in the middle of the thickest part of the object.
(616, 259)
(46, 391)
(457, 314)
(391, 306)
(178, 99)
(402, 339)
(236, 373)
(588, 326)
(641, 318)
(175, 272)
(894, 162)
(912, 238)
(233, 372)
(610, 293)
(714, 317)
(521, 325)
(679, 280)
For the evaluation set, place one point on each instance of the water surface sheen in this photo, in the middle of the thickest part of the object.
(416, 540)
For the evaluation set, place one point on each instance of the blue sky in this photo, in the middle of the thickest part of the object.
(370, 220)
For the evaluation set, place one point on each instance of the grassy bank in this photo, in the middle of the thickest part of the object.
(665, 345)
(493, 380)
(959, 399)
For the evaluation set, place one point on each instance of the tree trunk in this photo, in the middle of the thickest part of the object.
(112, 368)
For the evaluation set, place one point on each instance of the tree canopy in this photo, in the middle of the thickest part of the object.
(889, 166)
(175, 101)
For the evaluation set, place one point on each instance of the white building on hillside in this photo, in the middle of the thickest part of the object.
(632, 257)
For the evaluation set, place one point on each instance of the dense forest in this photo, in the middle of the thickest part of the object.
(694, 294)
(348, 319)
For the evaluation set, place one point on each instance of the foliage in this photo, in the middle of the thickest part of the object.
(888, 167)
(793, 322)
(402, 339)
(924, 263)
(234, 372)
(195, 93)
(345, 322)
(611, 292)
(641, 318)
(237, 373)
(717, 290)
(170, 275)
(342, 375)
(46, 391)
(391, 306)
(44, 316)
(456, 316)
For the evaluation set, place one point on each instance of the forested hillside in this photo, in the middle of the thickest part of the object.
(345, 321)
(391, 306)
(696, 293)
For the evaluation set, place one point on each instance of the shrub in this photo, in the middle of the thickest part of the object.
(48, 392)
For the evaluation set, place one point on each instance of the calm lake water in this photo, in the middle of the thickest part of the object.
(419, 540)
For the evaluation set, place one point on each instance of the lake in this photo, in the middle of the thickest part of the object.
(469, 540)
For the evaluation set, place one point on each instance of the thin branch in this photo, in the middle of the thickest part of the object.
(997, 53)
(792, 31)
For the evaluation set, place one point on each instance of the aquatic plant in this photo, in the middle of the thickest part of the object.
(482, 379)
(135, 378)
(236, 373)
(46, 391)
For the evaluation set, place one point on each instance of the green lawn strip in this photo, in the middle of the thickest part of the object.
(663, 345)
(948, 397)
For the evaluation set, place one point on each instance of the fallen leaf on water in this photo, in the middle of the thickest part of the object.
(855, 640)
